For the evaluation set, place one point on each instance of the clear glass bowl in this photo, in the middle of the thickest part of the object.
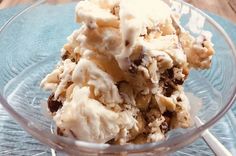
(31, 42)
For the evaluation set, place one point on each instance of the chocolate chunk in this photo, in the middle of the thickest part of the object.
(179, 82)
(127, 43)
(73, 134)
(203, 44)
(135, 63)
(113, 11)
(170, 73)
(73, 60)
(164, 127)
(168, 114)
(112, 141)
(148, 30)
(59, 131)
(178, 99)
(169, 84)
(53, 105)
(138, 61)
(120, 83)
(65, 56)
(133, 69)
(152, 114)
(168, 89)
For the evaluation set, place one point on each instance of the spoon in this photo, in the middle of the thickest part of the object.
(211, 141)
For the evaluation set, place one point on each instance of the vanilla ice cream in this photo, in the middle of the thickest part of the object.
(121, 74)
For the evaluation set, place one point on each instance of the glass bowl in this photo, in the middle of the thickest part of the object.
(30, 48)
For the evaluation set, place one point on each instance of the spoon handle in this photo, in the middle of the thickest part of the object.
(212, 142)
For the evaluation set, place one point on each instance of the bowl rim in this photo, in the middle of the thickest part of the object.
(60, 142)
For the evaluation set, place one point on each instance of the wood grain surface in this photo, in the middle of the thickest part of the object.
(225, 8)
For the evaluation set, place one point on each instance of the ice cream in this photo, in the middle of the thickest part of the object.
(121, 74)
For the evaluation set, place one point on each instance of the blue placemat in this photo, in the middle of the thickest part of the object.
(230, 27)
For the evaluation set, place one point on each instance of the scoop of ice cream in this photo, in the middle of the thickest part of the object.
(134, 21)
(121, 73)
(93, 15)
(87, 73)
(87, 119)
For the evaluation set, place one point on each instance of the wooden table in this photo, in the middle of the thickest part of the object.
(225, 8)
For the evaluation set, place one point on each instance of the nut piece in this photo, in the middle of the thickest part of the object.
(139, 128)
(164, 127)
(167, 28)
(142, 101)
(181, 118)
(167, 102)
(153, 114)
(141, 139)
(164, 61)
(186, 72)
(126, 92)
